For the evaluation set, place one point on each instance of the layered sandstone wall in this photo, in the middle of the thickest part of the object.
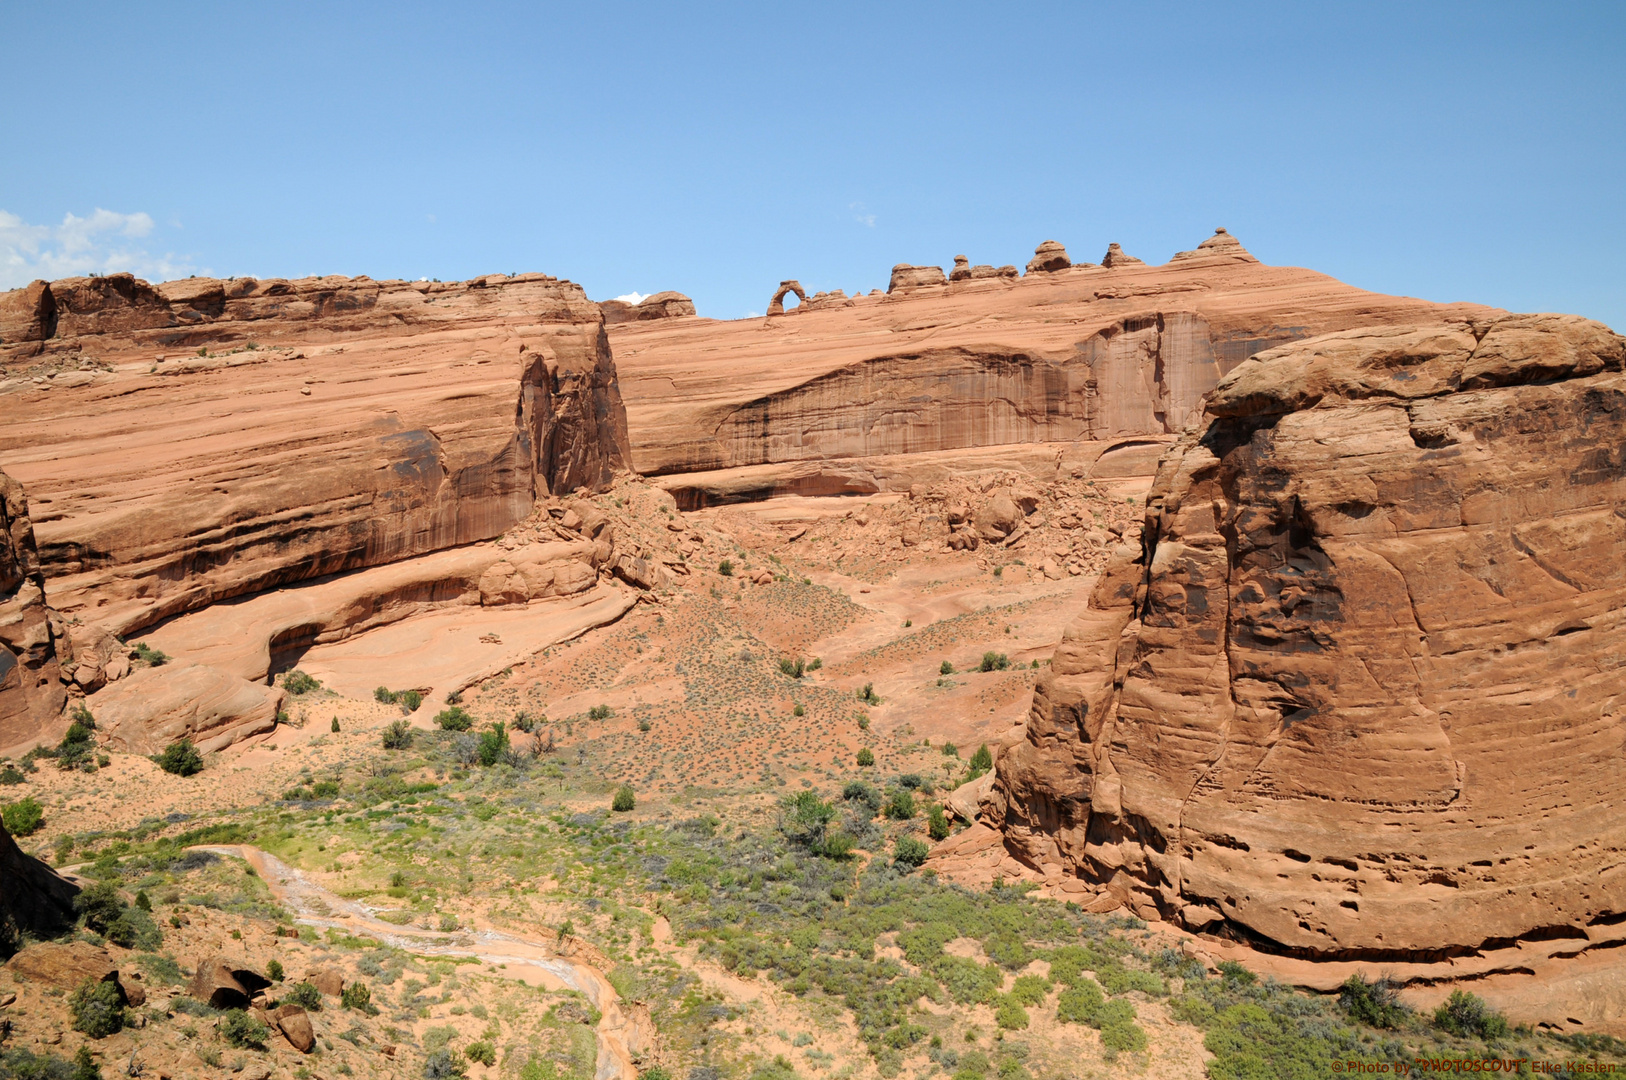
(1069, 352)
(1360, 690)
(30, 686)
(194, 441)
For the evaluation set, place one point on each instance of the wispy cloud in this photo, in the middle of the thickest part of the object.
(105, 242)
(861, 214)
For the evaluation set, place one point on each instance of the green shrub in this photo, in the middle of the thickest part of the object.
(900, 806)
(1466, 1014)
(305, 995)
(815, 664)
(444, 1064)
(384, 696)
(398, 736)
(1234, 974)
(945, 668)
(793, 668)
(837, 844)
(273, 970)
(335, 726)
(493, 744)
(1030, 989)
(726, 568)
(868, 794)
(1374, 1003)
(357, 996)
(22, 818)
(798, 710)
(967, 981)
(1010, 1015)
(1007, 949)
(937, 825)
(99, 905)
(296, 682)
(77, 748)
(97, 1008)
(980, 762)
(149, 655)
(454, 718)
(180, 759)
(600, 712)
(1125, 1037)
(804, 819)
(994, 661)
(868, 696)
(865, 758)
(241, 1030)
(409, 700)
(481, 1051)
(134, 929)
(909, 852)
(625, 799)
(1116, 979)
(1081, 1003)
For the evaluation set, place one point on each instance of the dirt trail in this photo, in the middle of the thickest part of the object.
(622, 1033)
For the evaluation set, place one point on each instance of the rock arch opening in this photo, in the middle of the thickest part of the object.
(776, 306)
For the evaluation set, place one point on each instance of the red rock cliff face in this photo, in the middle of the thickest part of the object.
(29, 687)
(1361, 689)
(202, 439)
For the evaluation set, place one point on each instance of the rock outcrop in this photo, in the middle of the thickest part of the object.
(1221, 246)
(1357, 691)
(964, 271)
(312, 427)
(31, 690)
(157, 706)
(35, 901)
(661, 305)
(905, 276)
(1115, 257)
(1049, 360)
(1049, 257)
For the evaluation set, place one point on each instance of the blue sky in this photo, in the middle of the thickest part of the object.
(1455, 152)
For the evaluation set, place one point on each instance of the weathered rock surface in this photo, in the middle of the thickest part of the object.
(65, 966)
(1359, 691)
(333, 423)
(224, 984)
(1049, 257)
(661, 305)
(156, 706)
(1092, 354)
(295, 1025)
(1115, 257)
(905, 276)
(34, 899)
(31, 690)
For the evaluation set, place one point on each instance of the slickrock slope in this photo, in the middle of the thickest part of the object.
(1069, 352)
(1360, 691)
(29, 674)
(198, 440)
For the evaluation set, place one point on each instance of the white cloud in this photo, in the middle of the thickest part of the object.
(633, 297)
(102, 243)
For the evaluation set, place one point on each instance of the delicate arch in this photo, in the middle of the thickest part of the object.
(776, 306)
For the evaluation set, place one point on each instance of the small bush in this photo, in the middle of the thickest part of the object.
(793, 668)
(22, 818)
(815, 664)
(384, 696)
(273, 970)
(798, 710)
(241, 1030)
(77, 748)
(1374, 1003)
(858, 791)
(335, 726)
(444, 1064)
(866, 758)
(1030, 989)
(398, 736)
(149, 655)
(297, 683)
(945, 668)
(305, 995)
(357, 996)
(726, 568)
(909, 852)
(901, 805)
(97, 1008)
(1010, 1015)
(409, 700)
(99, 905)
(625, 799)
(493, 745)
(992, 661)
(1466, 1014)
(481, 1051)
(454, 718)
(867, 695)
(180, 759)
(1124, 1037)
(600, 712)
(937, 824)
(980, 762)
(1080, 1004)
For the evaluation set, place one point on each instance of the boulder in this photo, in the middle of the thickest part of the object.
(998, 517)
(68, 965)
(1115, 257)
(295, 1025)
(327, 980)
(1049, 257)
(156, 706)
(31, 692)
(226, 985)
(35, 901)
(1351, 693)
(962, 269)
(905, 276)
